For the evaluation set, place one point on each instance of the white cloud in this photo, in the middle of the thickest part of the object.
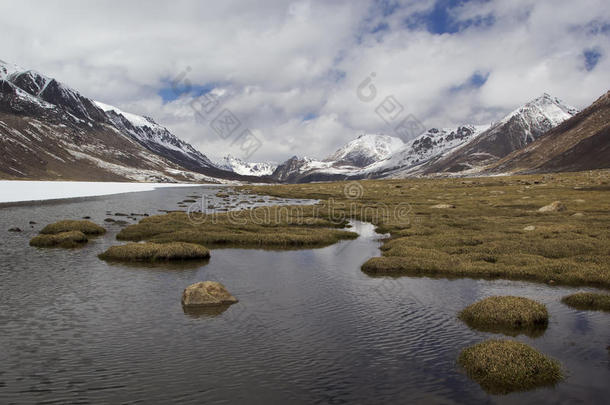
(282, 62)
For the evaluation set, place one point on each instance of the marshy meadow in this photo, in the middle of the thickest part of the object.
(546, 230)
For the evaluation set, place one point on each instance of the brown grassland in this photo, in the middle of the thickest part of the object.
(151, 252)
(84, 226)
(507, 314)
(588, 301)
(68, 239)
(495, 229)
(276, 227)
(504, 366)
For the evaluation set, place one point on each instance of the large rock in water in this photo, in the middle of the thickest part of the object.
(205, 294)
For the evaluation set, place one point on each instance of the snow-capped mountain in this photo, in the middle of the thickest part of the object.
(239, 166)
(365, 150)
(156, 138)
(376, 156)
(464, 149)
(516, 130)
(579, 143)
(52, 131)
(432, 144)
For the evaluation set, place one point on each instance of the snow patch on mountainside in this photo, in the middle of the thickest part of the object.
(136, 120)
(152, 135)
(432, 144)
(244, 168)
(365, 150)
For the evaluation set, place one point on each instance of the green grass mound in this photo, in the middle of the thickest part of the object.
(86, 227)
(588, 301)
(504, 366)
(152, 252)
(508, 315)
(68, 239)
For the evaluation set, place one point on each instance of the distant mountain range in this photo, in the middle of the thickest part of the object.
(467, 150)
(50, 131)
(239, 166)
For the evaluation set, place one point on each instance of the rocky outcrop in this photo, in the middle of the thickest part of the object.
(205, 294)
(555, 206)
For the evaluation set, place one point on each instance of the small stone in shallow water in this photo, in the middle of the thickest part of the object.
(15, 229)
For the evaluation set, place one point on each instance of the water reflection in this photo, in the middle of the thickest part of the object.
(205, 312)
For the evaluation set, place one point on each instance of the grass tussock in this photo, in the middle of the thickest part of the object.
(267, 227)
(588, 301)
(152, 252)
(84, 226)
(494, 231)
(504, 366)
(68, 239)
(507, 314)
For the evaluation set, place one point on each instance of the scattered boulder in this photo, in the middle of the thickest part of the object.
(529, 228)
(120, 214)
(443, 206)
(578, 214)
(15, 229)
(206, 293)
(87, 217)
(555, 206)
(32, 223)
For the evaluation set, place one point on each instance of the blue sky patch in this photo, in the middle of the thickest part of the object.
(475, 81)
(170, 92)
(592, 57)
(310, 116)
(440, 18)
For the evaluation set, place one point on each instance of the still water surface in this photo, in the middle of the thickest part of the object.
(310, 327)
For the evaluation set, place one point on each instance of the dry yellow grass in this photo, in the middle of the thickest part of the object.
(507, 314)
(67, 239)
(489, 233)
(271, 227)
(150, 252)
(504, 366)
(588, 301)
(84, 226)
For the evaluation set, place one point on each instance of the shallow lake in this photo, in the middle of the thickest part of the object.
(309, 327)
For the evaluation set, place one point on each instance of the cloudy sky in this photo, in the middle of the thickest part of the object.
(307, 76)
